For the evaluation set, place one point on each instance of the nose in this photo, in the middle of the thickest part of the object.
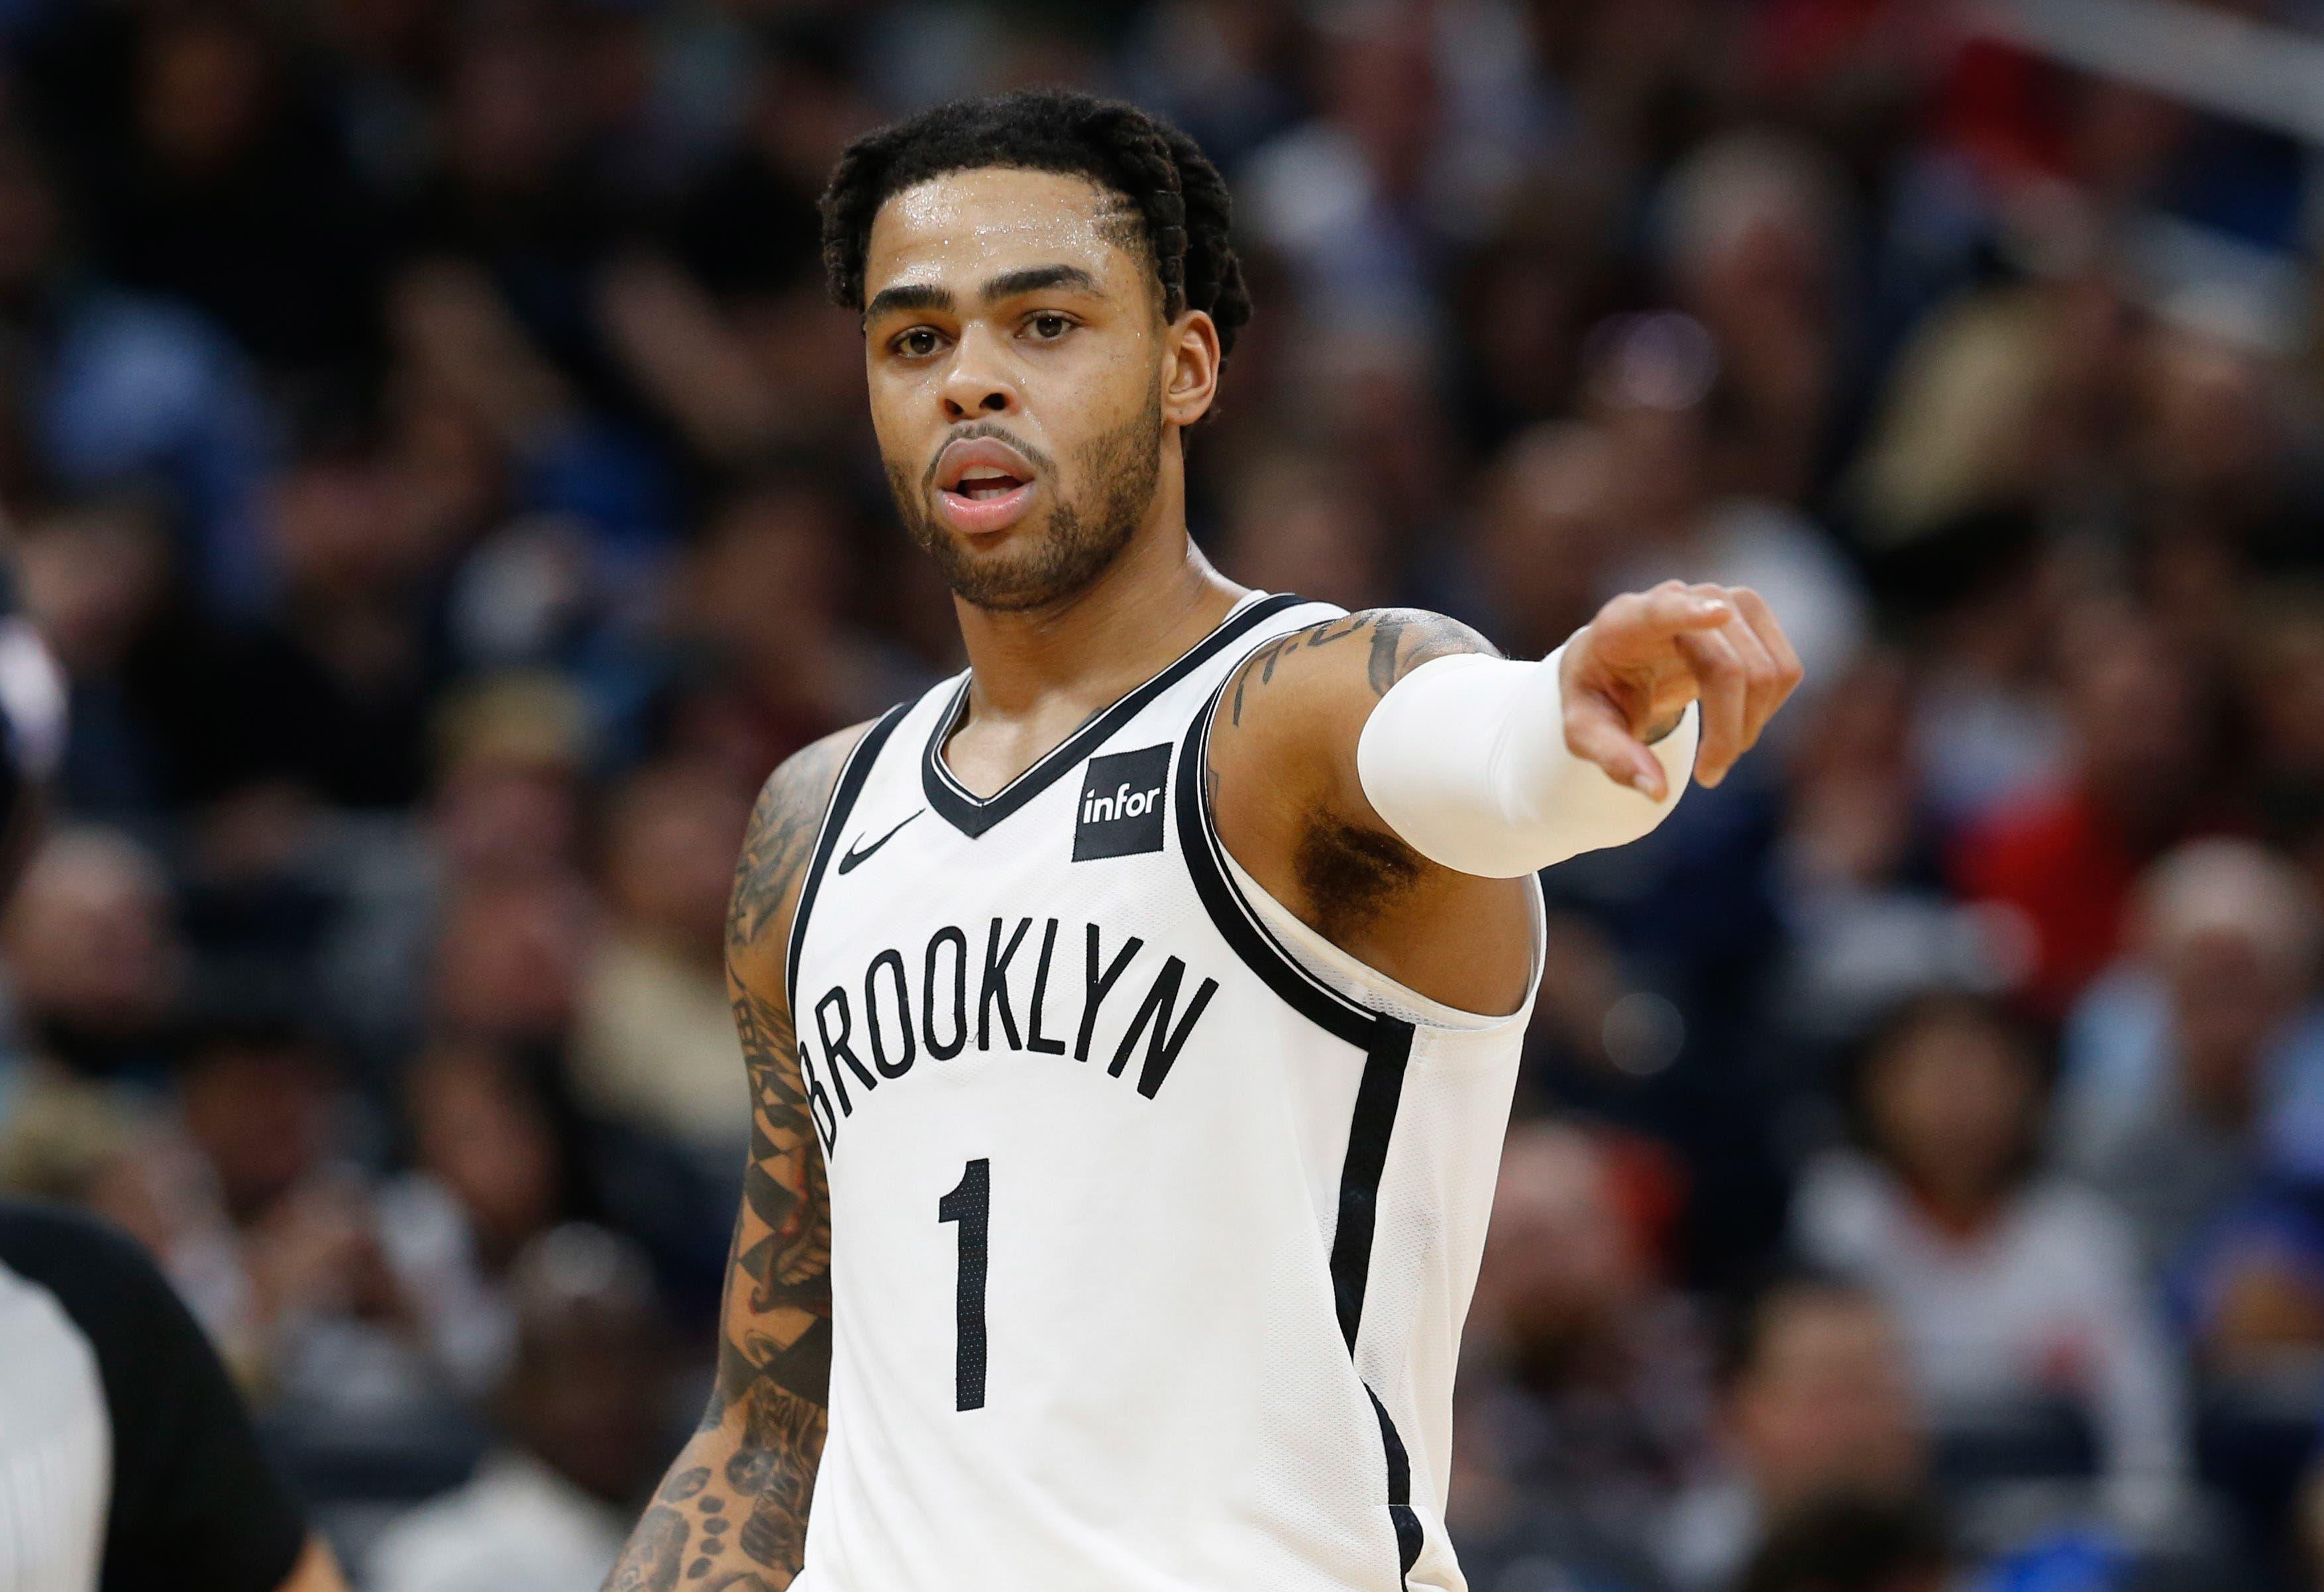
(978, 383)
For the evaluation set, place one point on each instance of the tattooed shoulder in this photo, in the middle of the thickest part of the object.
(1391, 643)
(1343, 871)
(781, 833)
(1403, 638)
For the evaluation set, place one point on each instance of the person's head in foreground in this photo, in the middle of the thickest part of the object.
(1049, 290)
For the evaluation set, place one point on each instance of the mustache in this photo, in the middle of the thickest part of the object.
(977, 430)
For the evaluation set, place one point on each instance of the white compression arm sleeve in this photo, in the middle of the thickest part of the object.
(1466, 759)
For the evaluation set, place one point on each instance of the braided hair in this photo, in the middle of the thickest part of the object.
(1181, 209)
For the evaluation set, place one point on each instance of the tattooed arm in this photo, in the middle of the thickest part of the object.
(1290, 808)
(1494, 768)
(731, 1516)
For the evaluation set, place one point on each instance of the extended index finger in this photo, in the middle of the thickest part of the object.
(1672, 608)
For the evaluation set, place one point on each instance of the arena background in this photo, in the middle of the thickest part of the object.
(432, 461)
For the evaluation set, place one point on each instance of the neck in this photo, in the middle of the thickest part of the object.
(1153, 602)
(1961, 1212)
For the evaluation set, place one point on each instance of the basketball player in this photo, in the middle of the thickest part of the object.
(1131, 1022)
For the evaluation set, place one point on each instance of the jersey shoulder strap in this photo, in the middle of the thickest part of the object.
(852, 773)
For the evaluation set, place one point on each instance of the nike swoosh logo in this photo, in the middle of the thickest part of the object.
(853, 855)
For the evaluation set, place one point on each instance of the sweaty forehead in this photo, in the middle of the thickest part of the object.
(960, 228)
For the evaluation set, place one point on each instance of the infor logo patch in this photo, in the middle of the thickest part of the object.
(1122, 803)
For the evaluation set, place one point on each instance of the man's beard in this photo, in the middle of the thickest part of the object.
(1081, 541)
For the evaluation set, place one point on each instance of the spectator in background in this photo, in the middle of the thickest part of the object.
(328, 695)
(2221, 486)
(1350, 198)
(655, 1042)
(261, 1101)
(1368, 399)
(490, 1173)
(507, 192)
(228, 185)
(117, 391)
(2008, 399)
(1753, 241)
(1816, 1402)
(1998, 414)
(1215, 68)
(584, 1414)
(442, 439)
(509, 964)
(1584, 1393)
(500, 842)
(1537, 278)
(748, 222)
(756, 338)
(508, 956)
(492, 421)
(95, 962)
(2200, 1063)
(728, 334)
(1850, 1544)
(258, 1097)
(1986, 597)
(2066, 859)
(2012, 1288)
(1861, 885)
(511, 755)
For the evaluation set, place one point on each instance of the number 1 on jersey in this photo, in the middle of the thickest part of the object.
(970, 1203)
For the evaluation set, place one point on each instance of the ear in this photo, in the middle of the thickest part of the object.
(1190, 370)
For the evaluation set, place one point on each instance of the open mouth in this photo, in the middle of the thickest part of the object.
(983, 486)
(985, 483)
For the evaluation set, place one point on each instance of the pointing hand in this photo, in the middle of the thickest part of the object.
(1628, 675)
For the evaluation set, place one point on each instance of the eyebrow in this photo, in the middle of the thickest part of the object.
(1033, 279)
(908, 296)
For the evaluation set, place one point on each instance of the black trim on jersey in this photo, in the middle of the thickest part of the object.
(852, 773)
(1252, 940)
(973, 814)
(1409, 1532)
(1369, 1131)
(1387, 1045)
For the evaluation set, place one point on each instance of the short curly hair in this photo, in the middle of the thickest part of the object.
(1181, 200)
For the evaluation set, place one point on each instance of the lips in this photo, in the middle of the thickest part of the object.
(983, 486)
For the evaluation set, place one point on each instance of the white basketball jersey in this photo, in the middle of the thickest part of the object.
(1154, 1216)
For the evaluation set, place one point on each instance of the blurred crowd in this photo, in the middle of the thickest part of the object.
(434, 464)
